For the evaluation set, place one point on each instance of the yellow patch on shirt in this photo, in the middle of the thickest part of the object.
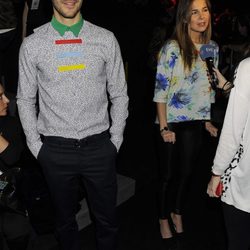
(71, 67)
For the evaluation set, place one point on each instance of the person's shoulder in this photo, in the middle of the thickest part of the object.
(172, 43)
(39, 33)
(43, 29)
(171, 46)
(98, 31)
(244, 65)
(242, 75)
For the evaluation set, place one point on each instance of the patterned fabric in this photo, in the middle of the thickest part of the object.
(232, 158)
(72, 76)
(226, 177)
(188, 96)
(8, 17)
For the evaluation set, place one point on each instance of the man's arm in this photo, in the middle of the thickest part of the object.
(26, 98)
(117, 89)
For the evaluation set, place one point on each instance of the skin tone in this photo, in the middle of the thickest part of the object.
(199, 21)
(67, 12)
(212, 186)
(3, 112)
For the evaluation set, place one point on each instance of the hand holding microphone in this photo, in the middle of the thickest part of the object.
(207, 53)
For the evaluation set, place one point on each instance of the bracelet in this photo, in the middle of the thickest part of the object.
(224, 85)
(164, 129)
(230, 86)
(215, 175)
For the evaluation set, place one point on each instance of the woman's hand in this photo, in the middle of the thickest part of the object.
(212, 186)
(212, 130)
(168, 136)
(221, 79)
(223, 84)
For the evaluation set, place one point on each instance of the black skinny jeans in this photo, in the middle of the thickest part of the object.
(176, 162)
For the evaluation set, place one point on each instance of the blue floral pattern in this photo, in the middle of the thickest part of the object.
(161, 82)
(179, 100)
(188, 95)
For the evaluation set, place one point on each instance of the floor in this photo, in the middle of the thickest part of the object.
(138, 216)
(139, 228)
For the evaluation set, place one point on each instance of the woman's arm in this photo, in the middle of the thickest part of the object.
(167, 135)
(223, 83)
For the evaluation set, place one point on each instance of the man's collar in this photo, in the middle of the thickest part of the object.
(61, 28)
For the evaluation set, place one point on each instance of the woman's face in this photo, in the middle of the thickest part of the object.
(3, 102)
(199, 18)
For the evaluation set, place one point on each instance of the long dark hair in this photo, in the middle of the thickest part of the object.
(187, 47)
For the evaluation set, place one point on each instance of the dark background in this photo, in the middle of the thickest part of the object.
(133, 23)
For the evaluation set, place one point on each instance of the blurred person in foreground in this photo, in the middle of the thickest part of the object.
(231, 167)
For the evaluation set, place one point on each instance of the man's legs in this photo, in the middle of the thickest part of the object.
(60, 164)
(99, 176)
(93, 159)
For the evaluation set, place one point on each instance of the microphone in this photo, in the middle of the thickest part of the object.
(207, 53)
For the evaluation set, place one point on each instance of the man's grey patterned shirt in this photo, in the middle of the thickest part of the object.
(75, 78)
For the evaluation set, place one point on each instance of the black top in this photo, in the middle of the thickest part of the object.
(11, 130)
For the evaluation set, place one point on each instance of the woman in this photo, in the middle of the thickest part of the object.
(14, 225)
(231, 163)
(183, 97)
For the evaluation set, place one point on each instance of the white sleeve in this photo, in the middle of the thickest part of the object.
(235, 119)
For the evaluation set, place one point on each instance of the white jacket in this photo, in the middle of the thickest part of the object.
(232, 159)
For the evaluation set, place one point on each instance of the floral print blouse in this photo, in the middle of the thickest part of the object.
(188, 95)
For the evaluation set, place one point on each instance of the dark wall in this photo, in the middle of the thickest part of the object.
(133, 25)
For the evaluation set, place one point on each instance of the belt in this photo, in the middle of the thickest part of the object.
(76, 142)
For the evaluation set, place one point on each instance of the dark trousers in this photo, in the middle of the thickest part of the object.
(67, 163)
(176, 163)
(238, 227)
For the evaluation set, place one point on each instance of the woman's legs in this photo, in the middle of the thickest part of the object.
(176, 163)
(165, 156)
(237, 225)
(188, 138)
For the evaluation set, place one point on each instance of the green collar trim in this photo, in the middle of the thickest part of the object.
(61, 28)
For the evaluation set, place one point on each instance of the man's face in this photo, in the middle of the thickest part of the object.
(68, 9)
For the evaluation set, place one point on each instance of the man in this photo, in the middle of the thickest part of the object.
(76, 68)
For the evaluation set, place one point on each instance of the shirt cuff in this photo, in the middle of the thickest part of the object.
(35, 148)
